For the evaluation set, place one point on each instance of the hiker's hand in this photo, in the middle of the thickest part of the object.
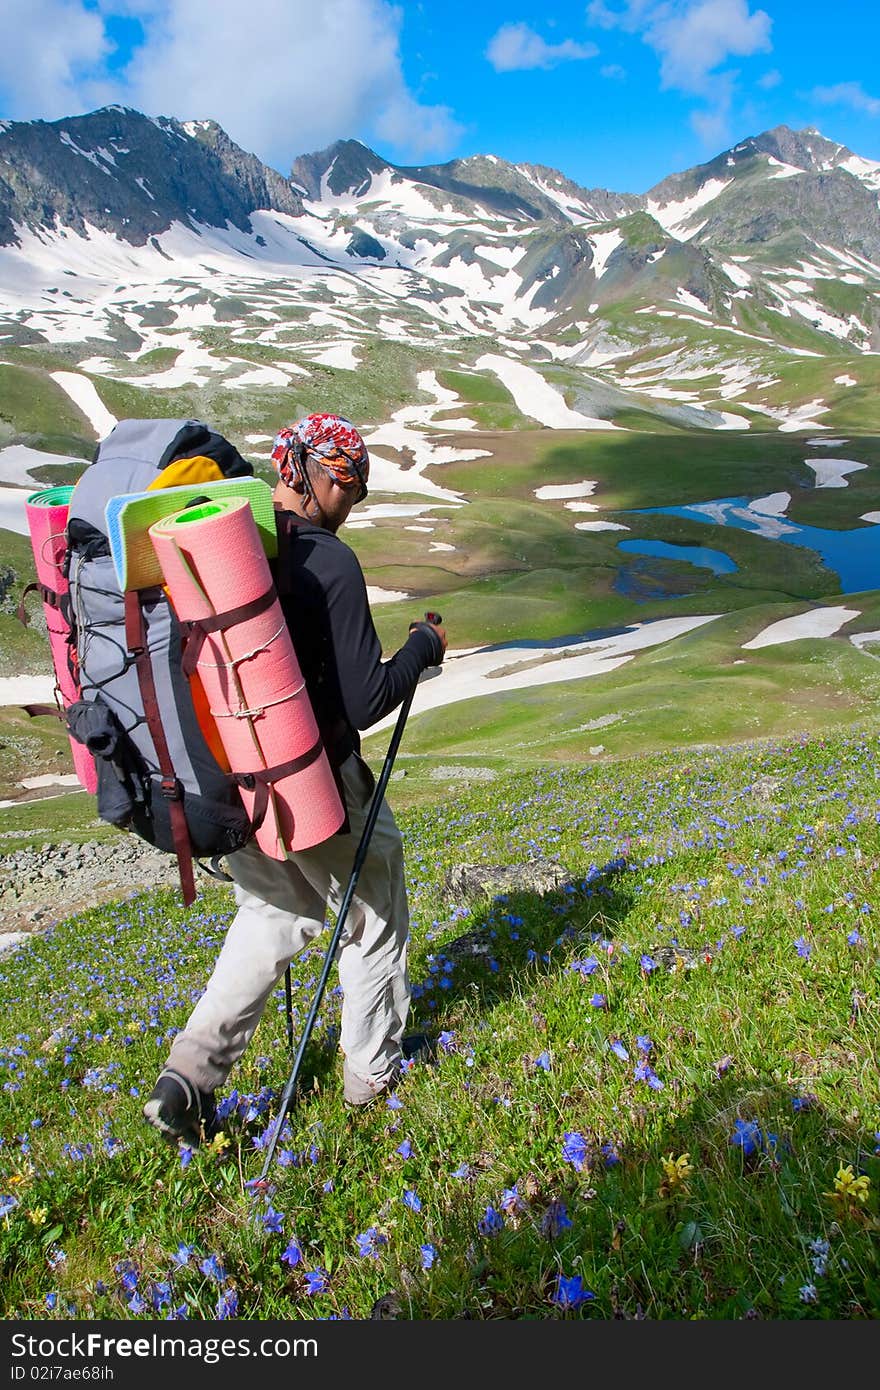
(436, 626)
(441, 633)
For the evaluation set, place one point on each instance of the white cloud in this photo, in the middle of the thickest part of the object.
(516, 47)
(691, 37)
(49, 48)
(770, 79)
(847, 94)
(613, 71)
(281, 76)
(694, 40)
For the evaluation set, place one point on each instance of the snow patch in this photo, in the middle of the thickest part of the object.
(690, 301)
(603, 244)
(473, 672)
(83, 394)
(832, 472)
(553, 490)
(816, 622)
(535, 397)
(375, 595)
(675, 216)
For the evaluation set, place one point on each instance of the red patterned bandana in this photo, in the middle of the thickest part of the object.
(332, 441)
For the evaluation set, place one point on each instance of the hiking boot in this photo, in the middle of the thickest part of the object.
(179, 1110)
(418, 1047)
(359, 1093)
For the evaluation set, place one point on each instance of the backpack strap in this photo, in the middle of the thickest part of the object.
(197, 630)
(170, 786)
(260, 781)
(49, 597)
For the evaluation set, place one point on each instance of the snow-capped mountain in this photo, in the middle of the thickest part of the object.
(150, 253)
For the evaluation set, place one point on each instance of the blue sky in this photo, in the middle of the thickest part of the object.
(614, 93)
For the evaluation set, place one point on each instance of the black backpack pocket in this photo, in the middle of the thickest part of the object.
(215, 827)
(122, 782)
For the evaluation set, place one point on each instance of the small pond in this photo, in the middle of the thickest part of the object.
(699, 555)
(853, 555)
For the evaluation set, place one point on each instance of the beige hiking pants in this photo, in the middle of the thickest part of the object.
(281, 909)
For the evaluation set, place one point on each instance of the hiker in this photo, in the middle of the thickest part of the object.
(323, 467)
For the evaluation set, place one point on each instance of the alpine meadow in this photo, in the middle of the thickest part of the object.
(629, 446)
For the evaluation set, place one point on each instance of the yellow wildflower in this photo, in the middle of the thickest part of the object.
(849, 1189)
(676, 1171)
(219, 1144)
(37, 1215)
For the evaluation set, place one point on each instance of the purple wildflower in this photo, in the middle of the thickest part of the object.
(618, 1049)
(574, 1149)
(182, 1253)
(369, 1242)
(805, 1102)
(128, 1276)
(411, 1199)
(429, 1255)
(555, 1220)
(160, 1294)
(491, 1222)
(746, 1136)
(292, 1256)
(542, 1061)
(585, 967)
(803, 947)
(273, 1221)
(645, 1072)
(404, 1149)
(598, 1001)
(570, 1293)
(511, 1202)
(213, 1269)
(227, 1304)
(316, 1281)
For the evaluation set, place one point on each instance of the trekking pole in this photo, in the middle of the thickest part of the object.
(359, 858)
(288, 1002)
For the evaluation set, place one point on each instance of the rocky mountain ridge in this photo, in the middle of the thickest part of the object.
(712, 287)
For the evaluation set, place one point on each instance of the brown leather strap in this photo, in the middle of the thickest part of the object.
(34, 710)
(49, 597)
(171, 789)
(260, 781)
(196, 632)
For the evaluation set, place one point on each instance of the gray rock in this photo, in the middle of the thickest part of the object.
(533, 876)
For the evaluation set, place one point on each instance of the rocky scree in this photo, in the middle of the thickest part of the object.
(39, 886)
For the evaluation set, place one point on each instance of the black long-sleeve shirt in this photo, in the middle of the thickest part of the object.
(324, 599)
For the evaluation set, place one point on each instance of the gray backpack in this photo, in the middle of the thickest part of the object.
(157, 775)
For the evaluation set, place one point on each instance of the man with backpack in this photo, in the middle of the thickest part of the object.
(323, 467)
